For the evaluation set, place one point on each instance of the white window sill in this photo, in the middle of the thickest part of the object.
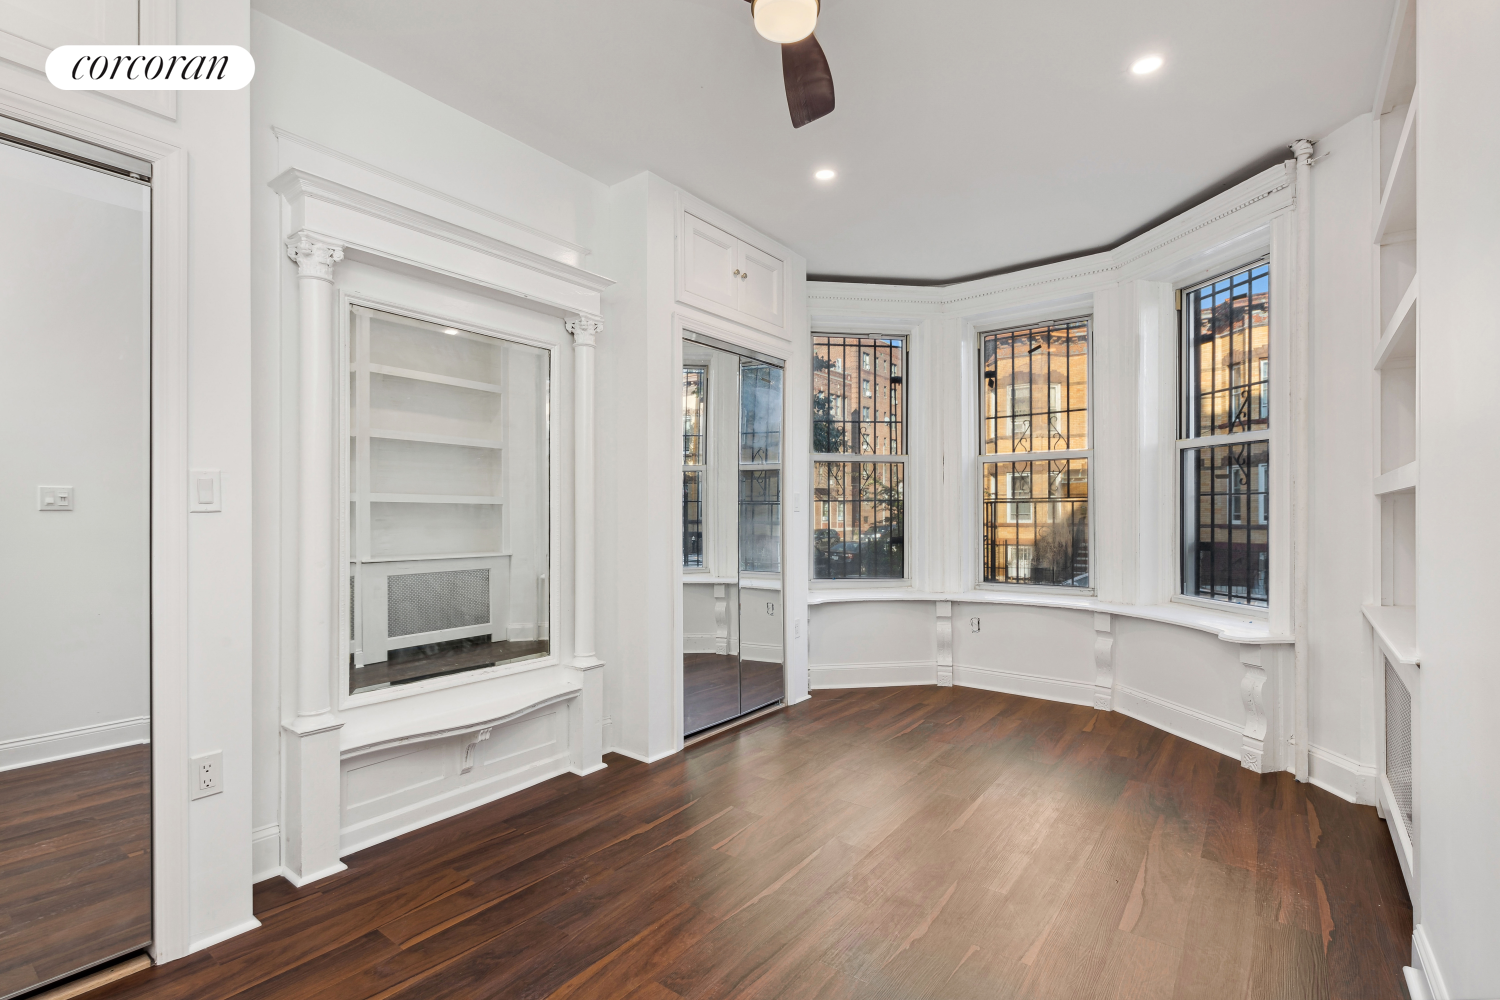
(1227, 625)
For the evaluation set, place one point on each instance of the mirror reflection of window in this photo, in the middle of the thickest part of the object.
(694, 462)
(760, 468)
(448, 494)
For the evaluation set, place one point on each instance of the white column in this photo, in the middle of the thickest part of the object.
(310, 826)
(1301, 373)
(587, 715)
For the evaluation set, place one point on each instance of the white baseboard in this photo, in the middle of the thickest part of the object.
(522, 632)
(1180, 720)
(300, 880)
(265, 852)
(700, 642)
(1030, 685)
(224, 935)
(1425, 964)
(1343, 776)
(859, 675)
(47, 747)
(588, 770)
(635, 756)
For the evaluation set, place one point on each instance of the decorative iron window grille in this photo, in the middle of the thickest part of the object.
(1225, 438)
(694, 462)
(1034, 454)
(760, 468)
(859, 443)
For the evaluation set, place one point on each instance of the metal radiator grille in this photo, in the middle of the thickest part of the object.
(1398, 742)
(431, 602)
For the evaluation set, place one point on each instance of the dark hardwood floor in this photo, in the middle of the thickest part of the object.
(710, 689)
(911, 842)
(75, 864)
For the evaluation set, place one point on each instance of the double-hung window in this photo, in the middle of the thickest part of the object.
(859, 457)
(694, 462)
(1034, 454)
(1225, 437)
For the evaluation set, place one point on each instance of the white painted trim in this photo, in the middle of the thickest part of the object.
(1425, 960)
(358, 740)
(826, 676)
(224, 935)
(1180, 720)
(265, 852)
(1058, 689)
(1416, 983)
(65, 743)
(644, 760)
(299, 880)
(1342, 775)
(1227, 625)
(375, 830)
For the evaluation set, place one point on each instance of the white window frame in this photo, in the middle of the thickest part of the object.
(910, 507)
(982, 331)
(703, 474)
(1276, 551)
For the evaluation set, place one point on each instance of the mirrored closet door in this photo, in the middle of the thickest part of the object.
(75, 534)
(732, 618)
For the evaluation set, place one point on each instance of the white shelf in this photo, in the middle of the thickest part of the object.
(421, 376)
(431, 498)
(1399, 342)
(1398, 202)
(1395, 628)
(466, 442)
(1397, 480)
(432, 557)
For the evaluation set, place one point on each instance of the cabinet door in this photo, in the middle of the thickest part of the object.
(760, 284)
(710, 262)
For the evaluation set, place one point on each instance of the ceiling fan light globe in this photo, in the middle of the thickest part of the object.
(784, 21)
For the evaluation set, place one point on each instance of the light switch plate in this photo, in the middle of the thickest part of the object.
(54, 498)
(207, 775)
(205, 491)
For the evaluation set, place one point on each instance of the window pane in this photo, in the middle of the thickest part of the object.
(858, 402)
(1225, 522)
(694, 406)
(760, 414)
(760, 520)
(1227, 371)
(1034, 388)
(1036, 526)
(858, 520)
(692, 519)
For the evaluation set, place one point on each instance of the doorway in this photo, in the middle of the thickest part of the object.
(733, 659)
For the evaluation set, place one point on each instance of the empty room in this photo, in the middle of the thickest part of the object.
(708, 499)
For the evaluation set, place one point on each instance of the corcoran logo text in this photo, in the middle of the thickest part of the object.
(150, 67)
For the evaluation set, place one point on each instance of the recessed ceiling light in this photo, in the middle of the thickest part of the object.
(825, 174)
(1147, 64)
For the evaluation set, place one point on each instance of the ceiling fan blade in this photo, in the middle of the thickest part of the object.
(809, 81)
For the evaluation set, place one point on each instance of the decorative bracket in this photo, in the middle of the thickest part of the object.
(945, 643)
(469, 748)
(1253, 694)
(1104, 662)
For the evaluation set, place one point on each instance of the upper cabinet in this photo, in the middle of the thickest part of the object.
(726, 275)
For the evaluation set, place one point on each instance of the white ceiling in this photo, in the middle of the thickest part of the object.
(970, 135)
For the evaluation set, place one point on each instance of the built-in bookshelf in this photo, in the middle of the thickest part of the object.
(1396, 353)
(429, 560)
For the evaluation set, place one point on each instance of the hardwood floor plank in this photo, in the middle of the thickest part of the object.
(899, 844)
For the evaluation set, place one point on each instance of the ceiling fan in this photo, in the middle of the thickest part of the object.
(804, 67)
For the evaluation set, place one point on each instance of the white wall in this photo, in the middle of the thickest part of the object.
(1458, 215)
(1340, 401)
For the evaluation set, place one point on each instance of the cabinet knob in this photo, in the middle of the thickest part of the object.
(744, 275)
(736, 272)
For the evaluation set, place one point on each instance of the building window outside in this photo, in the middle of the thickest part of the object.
(694, 462)
(1225, 437)
(760, 468)
(1034, 454)
(859, 467)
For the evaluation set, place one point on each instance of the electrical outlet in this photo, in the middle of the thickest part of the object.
(54, 498)
(208, 774)
(973, 624)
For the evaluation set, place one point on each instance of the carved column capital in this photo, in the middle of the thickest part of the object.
(585, 330)
(314, 258)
